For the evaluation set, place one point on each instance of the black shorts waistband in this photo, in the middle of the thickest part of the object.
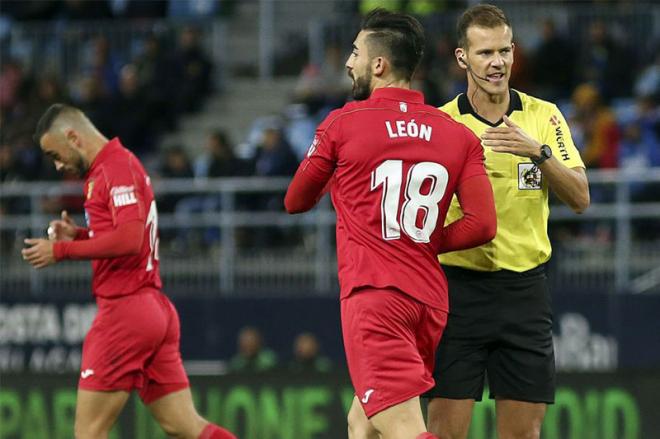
(464, 273)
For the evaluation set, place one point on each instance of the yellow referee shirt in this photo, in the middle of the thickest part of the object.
(521, 192)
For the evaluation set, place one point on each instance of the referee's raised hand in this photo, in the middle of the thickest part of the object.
(511, 139)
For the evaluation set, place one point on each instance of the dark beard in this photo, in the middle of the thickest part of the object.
(362, 88)
(79, 168)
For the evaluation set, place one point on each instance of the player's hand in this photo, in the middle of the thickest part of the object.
(511, 139)
(62, 229)
(40, 253)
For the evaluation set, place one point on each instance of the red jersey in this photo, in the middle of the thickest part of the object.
(118, 190)
(396, 163)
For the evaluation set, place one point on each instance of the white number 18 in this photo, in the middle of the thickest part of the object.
(390, 174)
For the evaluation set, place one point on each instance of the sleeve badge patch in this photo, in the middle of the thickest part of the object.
(312, 148)
(123, 195)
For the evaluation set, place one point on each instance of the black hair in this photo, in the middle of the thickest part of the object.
(48, 118)
(398, 36)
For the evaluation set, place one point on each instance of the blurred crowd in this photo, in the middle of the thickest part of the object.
(606, 84)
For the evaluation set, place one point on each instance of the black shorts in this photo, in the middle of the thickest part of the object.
(500, 324)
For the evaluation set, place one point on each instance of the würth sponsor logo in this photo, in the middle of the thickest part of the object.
(123, 195)
(559, 134)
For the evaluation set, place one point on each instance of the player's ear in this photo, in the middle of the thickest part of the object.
(73, 138)
(460, 54)
(378, 65)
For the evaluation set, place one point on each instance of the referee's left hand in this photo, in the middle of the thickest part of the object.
(40, 253)
(511, 139)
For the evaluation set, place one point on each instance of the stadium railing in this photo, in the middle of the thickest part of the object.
(242, 247)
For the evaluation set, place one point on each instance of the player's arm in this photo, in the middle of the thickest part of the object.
(125, 240)
(570, 184)
(307, 187)
(314, 175)
(479, 222)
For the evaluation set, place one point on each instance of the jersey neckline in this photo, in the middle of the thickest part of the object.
(464, 107)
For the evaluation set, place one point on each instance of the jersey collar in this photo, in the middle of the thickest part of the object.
(112, 145)
(398, 94)
(515, 104)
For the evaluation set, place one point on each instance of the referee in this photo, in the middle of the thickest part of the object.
(500, 321)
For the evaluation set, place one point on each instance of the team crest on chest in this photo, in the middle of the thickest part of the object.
(529, 177)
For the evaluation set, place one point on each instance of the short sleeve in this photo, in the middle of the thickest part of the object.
(474, 159)
(126, 197)
(558, 137)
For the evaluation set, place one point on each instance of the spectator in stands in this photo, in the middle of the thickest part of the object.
(596, 128)
(48, 91)
(252, 356)
(300, 128)
(441, 67)
(553, 62)
(12, 80)
(324, 87)
(134, 127)
(90, 99)
(103, 64)
(219, 159)
(274, 156)
(640, 146)
(7, 166)
(648, 81)
(175, 164)
(154, 70)
(521, 70)
(193, 70)
(306, 355)
(605, 63)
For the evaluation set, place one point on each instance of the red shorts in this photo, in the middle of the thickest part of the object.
(390, 341)
(134, 344)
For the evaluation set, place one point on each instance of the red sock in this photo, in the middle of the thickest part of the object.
(212, 431)
(427, 436)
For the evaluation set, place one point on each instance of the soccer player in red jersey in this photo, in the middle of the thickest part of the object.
(395, 164)
(134, 340)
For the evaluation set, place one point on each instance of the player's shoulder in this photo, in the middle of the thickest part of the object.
(450, 113)
(451, 107)
(349, 109)
(121, 164)
(533, 104)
